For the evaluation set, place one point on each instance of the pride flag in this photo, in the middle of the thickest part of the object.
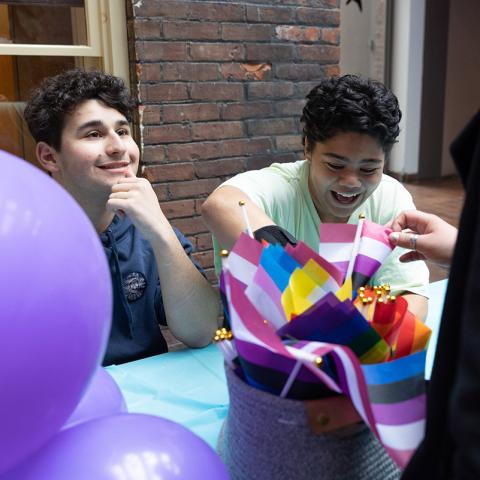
(290, 306)
(337, 247)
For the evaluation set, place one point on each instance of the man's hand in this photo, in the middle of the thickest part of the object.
(135, 198)
(191, 305)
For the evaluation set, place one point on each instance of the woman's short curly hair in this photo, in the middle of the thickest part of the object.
(351, 104)
(59, 95)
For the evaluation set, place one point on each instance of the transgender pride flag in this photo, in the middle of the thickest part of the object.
(337, 246)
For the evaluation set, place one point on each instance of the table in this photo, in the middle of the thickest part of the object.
(188, 386)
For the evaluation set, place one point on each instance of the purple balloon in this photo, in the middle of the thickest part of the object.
(125, 446)
(102, 398)
(55, 307)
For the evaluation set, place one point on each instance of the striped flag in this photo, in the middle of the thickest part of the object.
(244, 258)
(396, 392)
(267, 297)
(329, 277)
(374, 248)
(337, 245)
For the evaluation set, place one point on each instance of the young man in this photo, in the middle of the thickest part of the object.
(349, 127)
(80, 121)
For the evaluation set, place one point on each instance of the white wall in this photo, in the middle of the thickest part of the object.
(355, 39)
(462, 92)
(362, 39)
(407, 67)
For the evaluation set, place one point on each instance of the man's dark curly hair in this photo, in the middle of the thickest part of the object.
(351, 104)
(59, 95)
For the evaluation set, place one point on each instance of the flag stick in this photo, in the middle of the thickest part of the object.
(301, 357)
(223, 339)
(356, 246)
(243, 207)
(223, 257)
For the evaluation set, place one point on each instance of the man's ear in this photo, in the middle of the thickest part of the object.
(47, 157)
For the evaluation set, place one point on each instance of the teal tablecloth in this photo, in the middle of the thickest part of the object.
(188, 386)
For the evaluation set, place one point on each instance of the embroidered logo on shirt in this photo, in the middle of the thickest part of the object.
(134, 284)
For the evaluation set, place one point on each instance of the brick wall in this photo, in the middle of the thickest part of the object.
(221, 85)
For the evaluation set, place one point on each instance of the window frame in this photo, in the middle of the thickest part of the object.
(106, 26)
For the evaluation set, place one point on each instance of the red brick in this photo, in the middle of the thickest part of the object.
(165, 8)
(152, 114)
(217, 11)
(298, 34)
(161, 51)
(217, 51)
(332, 70)
(289, 143)
(164, 92)
(289, 107)
(179, 208)
(246, 71)
(261, 161)
(270, 14)
(190, 71)
(219, 168)
(314, 3)
(246, 146)
(269, 52)
(193, 188)
(211, 275)
(245, 32)
(318, 16)
(190, 225)
(270, 90)
(238, 111)
(153, 154)
(193, 151)
(292, 71)
(166, 134)
(191, 112)
(319, 53)
(150, 72)
(216, 130)
(190, 30)
(204, 258)
(271, 126)
(161, 192)
(147, 29)
(302, 89)
(204, 241)
(331, 35)
(169, 172)
(216, 91)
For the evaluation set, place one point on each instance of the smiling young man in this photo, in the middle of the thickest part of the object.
(349, 127)
(81, 123)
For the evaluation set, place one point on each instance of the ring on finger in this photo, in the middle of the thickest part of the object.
(413, 241)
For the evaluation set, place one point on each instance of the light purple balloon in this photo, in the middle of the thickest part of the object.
(55, 307)
(102, 398)
(123, 447)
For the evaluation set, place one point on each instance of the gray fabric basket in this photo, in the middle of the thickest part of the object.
(267, 437)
